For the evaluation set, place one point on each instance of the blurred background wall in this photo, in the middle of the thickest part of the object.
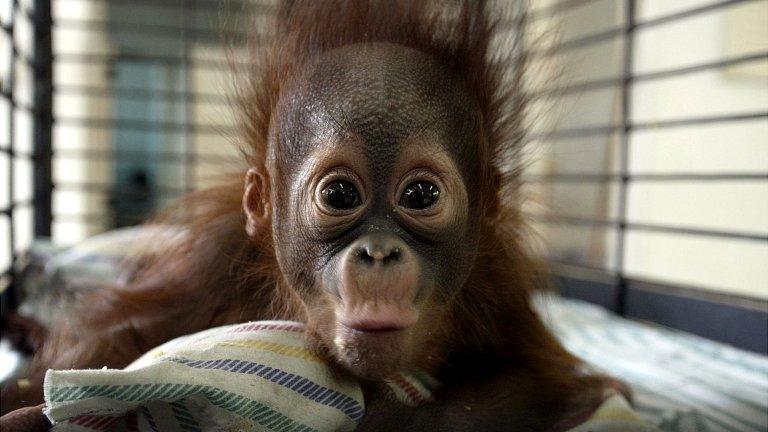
(649, 152)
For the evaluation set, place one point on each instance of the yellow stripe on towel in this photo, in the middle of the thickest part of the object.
(286, 350)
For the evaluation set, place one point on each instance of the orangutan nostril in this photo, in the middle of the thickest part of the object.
(365, 256)
(394, 255)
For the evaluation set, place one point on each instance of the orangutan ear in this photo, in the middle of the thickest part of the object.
(256, 200)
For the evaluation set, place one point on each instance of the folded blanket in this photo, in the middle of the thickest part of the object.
(252, 376)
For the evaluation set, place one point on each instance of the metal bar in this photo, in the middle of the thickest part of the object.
(8, 95)
(558, 8)
(30, 15)
(681, 307)
(650, 76)
(698, 232)
(96, 187)
(90, 218)
(577, 88)
(165, 161)
(6, 288)
(43, 121)
(87, 218)
(28, 61)
(9, 30)
(149, 125)
(693, 121)
(722, 317)
(633, 226)
(166, 156)
(8, 211)
(104, 58)
(262, 7)
(687, 13)
(21, 107)
(604, 178)
(154, 30)
(139, 93)
(624, 151)
(17, 154)
(577, 132)
(10, 289)
(581, 266)
(702, 67)
(188, 99)
(17, 54)
(700, 177)
(661, 124)
(577, 43)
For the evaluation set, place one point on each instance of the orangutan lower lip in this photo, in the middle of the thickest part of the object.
(371, 318)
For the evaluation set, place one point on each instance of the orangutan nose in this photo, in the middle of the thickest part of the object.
(379, 282)
(379, 250)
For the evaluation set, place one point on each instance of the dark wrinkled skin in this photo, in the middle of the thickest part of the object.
(366, 107)
(382, 94)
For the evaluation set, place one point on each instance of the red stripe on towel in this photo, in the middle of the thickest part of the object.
(253, 327)
(409, 389)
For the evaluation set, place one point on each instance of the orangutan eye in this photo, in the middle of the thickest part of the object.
(419, 195)
(341, 195)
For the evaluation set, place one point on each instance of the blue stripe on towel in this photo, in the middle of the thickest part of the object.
(305, 387)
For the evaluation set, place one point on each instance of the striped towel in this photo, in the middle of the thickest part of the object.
(252, 376)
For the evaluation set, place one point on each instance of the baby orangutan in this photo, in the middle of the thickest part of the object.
(381, 207)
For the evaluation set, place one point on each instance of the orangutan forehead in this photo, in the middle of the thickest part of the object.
(382, 94)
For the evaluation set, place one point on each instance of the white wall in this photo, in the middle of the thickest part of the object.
(736, 266)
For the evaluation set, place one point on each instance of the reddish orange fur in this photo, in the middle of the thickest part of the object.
(220, 276)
